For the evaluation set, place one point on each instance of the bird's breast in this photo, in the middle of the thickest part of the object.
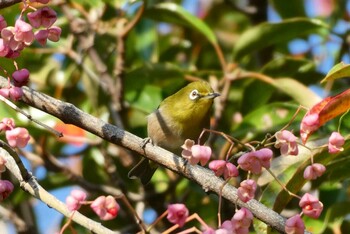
(170, 132)
(164, 131)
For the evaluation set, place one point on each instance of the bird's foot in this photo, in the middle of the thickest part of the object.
(185, 164)
(145, 142)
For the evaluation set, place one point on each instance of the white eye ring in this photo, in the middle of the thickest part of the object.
(194, 94)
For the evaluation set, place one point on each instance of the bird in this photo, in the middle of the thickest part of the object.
(180, 116)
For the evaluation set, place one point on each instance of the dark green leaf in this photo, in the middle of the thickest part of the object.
(261, 90)
(292, 9)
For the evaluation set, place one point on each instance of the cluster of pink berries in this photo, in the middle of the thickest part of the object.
(106, 207)
(255, 161)
(240, 222)
(15, 136)
(15, 38)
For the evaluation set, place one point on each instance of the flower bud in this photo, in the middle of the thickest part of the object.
(195, 153)
(20, 77)
(45, 17)
(177, 214)
(4, 48)
(7, 124)
(242, 220)
(294, 225)
(246, 190)
(6, 188)
(286, 141)
(221, 167)
(105, 207)
(311, 206)
(15, 93)
(17, 137)
(335, 143)
(254, 161)
(74, 199)
(313, 171)
(201, 153)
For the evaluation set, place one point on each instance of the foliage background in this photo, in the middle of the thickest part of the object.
(274, 54)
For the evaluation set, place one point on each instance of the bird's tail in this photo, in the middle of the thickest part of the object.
(143, 170)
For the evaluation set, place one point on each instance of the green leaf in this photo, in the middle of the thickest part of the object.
(260, 89)
(286, 66)
(91, 3)
(337, 212)
(340, 70)
(292, 9)
(299, 92)
(337, 170)
(293, 88)
(268, 118)
(166, 75)
(266, 34)
(173, 13)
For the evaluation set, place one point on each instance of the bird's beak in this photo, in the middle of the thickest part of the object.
(211, 95)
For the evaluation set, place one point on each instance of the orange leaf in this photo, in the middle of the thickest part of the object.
(336, 106)
(71, 133)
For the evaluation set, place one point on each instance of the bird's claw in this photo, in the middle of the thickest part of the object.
(145, 142)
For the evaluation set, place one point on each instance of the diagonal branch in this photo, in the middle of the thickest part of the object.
(68, 113)
(7, 3)
(29, 184)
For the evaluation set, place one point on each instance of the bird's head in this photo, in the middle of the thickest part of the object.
(192, 101)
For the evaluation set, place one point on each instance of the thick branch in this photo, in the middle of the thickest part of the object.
(204, 177)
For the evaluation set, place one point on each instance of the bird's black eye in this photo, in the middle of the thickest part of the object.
(194, 94)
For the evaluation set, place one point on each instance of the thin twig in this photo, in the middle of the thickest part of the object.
(189, 218)
(282, 185)
(165, 213)
(220, 202)
(67, 224)
(190, 230)
(134, 21)
(57, 165)
(131, 208)
(229, 138)
(13, 106)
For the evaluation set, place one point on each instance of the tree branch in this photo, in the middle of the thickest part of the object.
(31, 186)
(70, 114)
(7, 3)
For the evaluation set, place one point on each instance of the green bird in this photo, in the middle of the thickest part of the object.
(180, 116)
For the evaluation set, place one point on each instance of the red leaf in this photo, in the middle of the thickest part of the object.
(327, 109)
